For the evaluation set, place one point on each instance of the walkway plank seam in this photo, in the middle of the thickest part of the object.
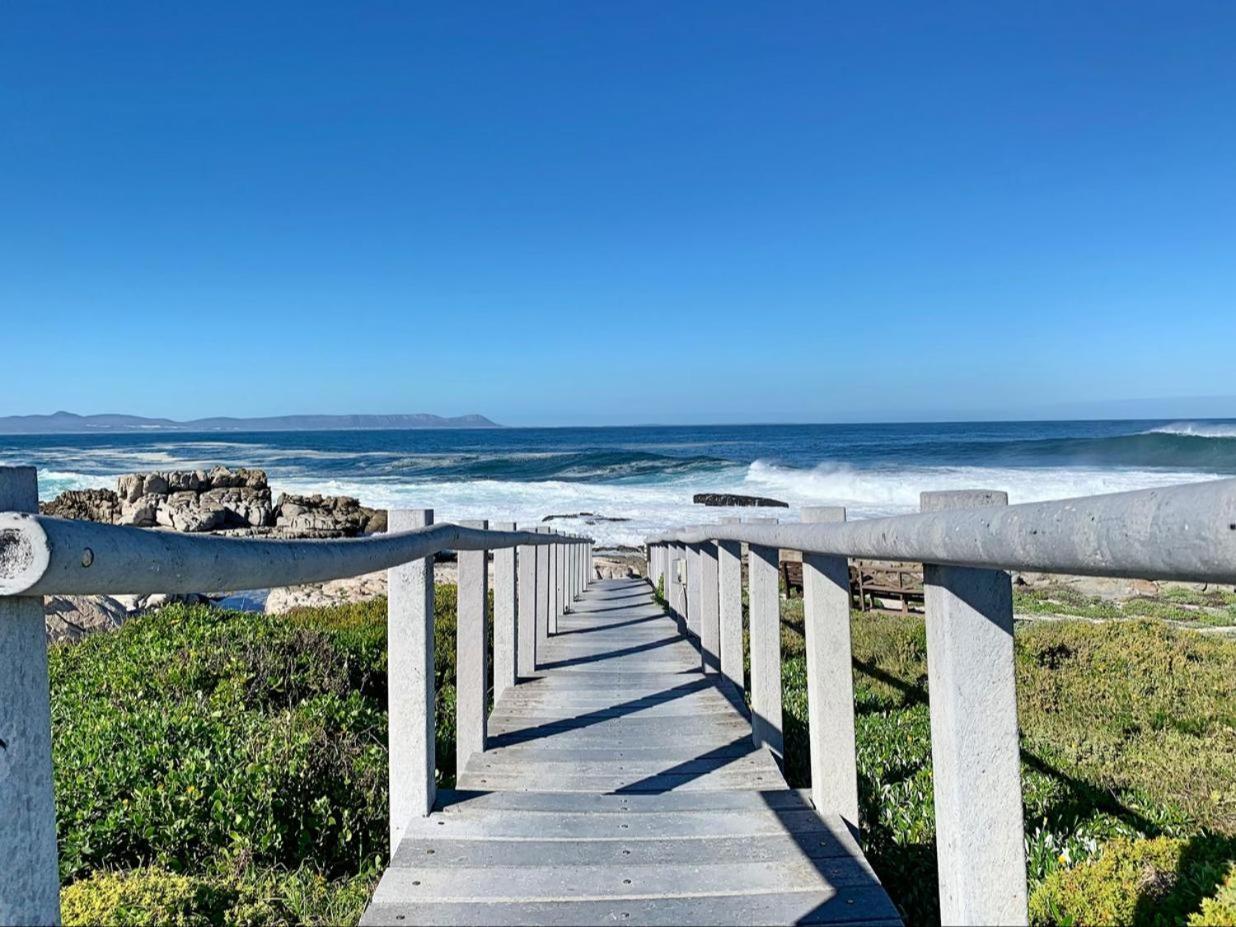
(620, 784)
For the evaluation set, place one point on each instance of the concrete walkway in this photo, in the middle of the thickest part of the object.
(621, 786)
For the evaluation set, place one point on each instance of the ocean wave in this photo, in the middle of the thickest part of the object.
(1225, 431)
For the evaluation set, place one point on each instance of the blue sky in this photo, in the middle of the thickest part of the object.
(557, 213)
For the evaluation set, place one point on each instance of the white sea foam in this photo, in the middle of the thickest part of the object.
(652, 507)
(1196, 429)
(650, 503)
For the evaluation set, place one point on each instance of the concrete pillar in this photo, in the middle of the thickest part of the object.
(974, 747)
(526, 610)
(693, 590)
(729, 596)
(505, 605)
(764, 602)
(471, 672)
(556, 612)
(410, 681)
(29, 880)
(543, 593)
(710, 617)
(830, 677)
(674, 588)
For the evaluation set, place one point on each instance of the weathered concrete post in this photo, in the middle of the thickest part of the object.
(764, 602)
(526, 610)
(555, 569)
(471, 676)
(710, 617)
(543, 592)
(729, 595)
(505, 615)
(675, 588)
(410, 688)
(29, 881)
(693, 590)
(830, 677)
(974, 747)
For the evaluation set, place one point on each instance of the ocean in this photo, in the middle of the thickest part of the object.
(647, 475)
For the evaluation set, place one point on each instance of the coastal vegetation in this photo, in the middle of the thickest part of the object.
(217, 767)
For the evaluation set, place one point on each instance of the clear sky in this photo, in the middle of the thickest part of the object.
(558, 213)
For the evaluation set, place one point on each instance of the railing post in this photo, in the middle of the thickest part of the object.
(710, 617)
(830, 677)
(471, 676)
(29, 880)
(506, 643)
(764, 602)
(543, 593)
(525, 611)
(974, 746)
(729, 605)
(693, 591)
(411, 719)
(674, 588)
(555, 568)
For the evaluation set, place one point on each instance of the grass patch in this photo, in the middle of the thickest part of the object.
(229, 768)
(1189, 606)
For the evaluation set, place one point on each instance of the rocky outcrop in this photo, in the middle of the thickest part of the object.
(232, 501)
(327, 516)
(732, 499)
(84, 504)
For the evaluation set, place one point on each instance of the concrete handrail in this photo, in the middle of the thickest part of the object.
(1185, 533)
(966, 542)
(41, 555)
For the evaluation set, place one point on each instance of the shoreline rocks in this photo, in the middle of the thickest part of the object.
(236, 502)
(725, 499)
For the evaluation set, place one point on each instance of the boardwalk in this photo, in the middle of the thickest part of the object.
(621, 786)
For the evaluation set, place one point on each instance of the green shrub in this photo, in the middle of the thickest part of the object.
(1220, 909)
(1139, 882)
(245, 751)
(147, 897)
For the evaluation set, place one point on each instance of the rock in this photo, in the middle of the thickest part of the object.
(72, 617)
(141, 512)
(326, 516)
(613, 564)
(590, 518)
(732, 499)
(335, 592)
(84, 504)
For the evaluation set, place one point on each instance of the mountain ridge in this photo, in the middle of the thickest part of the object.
(71, 423)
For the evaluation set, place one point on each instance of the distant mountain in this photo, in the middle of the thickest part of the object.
(70, 423)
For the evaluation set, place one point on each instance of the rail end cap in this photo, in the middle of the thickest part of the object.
(25, 552)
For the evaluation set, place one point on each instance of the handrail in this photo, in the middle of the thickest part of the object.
(42, 555)
(1185, 533)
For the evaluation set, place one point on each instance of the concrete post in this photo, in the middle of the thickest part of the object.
(674, 590)
(693, 590)
(830, 677)
(471, 672)
(974, 747)
(764, 602)
(526, 611)
(29, 880)
(729, 595)
(410, 681)
(505, 616)
(543, 593)
(710, 618)
(555, 585)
